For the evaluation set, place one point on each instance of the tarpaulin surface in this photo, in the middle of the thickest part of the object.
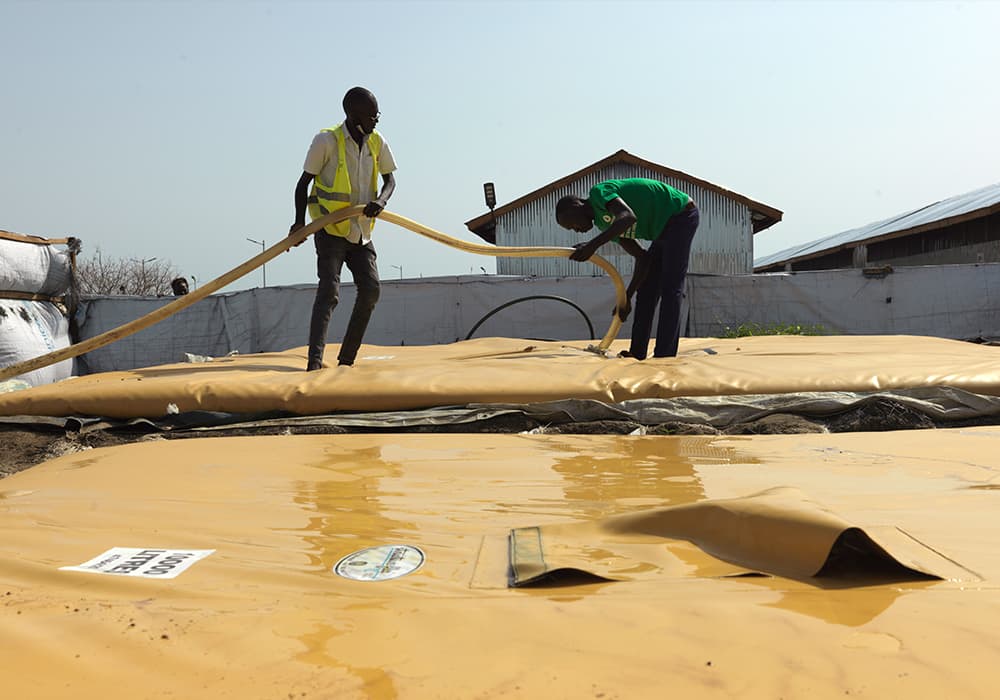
(259, 611)
(504, 370)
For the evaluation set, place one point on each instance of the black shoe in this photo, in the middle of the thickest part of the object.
(313, 366)
(345, 363)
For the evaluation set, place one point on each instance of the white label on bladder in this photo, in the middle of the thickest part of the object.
(144, 563)
(380, 563)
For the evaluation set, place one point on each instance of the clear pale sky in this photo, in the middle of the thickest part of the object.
(176, 130)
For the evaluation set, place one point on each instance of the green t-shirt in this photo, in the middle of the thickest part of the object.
(653, 202)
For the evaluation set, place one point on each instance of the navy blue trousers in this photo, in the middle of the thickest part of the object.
(664, 285)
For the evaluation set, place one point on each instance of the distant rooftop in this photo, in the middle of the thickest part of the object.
(947, 212)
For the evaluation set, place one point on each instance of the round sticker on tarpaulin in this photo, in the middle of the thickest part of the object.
(380, 563)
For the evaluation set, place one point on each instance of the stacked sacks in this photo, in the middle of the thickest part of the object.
(36, 296)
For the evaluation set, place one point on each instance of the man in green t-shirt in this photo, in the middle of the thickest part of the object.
(644, 209)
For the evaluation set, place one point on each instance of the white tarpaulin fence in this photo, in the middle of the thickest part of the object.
(951, 301)
(946, 301)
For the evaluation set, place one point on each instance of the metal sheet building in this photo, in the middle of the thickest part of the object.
(724, 244)
(957, 230)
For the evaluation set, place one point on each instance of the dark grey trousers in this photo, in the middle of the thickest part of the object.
(331, 254)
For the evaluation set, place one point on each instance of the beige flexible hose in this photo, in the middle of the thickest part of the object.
(182, 302)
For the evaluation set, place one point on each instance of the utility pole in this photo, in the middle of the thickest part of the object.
(263, 268)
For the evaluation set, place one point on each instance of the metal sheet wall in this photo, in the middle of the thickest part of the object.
(723, 245)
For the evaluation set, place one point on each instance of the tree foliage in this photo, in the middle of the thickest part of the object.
(751, 329)
(103, 275)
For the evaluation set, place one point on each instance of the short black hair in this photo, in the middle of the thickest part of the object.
(356, 95)
(566, 203)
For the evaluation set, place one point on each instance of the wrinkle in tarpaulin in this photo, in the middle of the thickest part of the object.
(778, 532)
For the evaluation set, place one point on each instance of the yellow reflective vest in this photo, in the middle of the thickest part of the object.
(323, 200)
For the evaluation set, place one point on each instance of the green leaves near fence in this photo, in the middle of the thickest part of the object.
(749, 329)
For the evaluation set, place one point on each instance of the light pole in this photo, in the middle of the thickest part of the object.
(490, 194)
(400, 268)
(263, 268)
(142, 267)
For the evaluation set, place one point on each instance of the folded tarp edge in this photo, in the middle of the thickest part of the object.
(777, 532)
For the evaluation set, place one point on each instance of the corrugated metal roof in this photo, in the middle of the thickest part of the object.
(975, 204)
(762, 215)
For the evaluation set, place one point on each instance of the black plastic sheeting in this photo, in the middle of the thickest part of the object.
(938, 404)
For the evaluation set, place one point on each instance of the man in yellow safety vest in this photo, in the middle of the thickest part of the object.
(342, 165)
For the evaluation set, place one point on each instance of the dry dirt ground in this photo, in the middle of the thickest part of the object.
(23, 447)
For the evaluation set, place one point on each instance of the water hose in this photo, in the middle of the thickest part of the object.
(533, 297)
(182, 302)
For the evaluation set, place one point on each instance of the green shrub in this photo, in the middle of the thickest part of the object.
(749, 329)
